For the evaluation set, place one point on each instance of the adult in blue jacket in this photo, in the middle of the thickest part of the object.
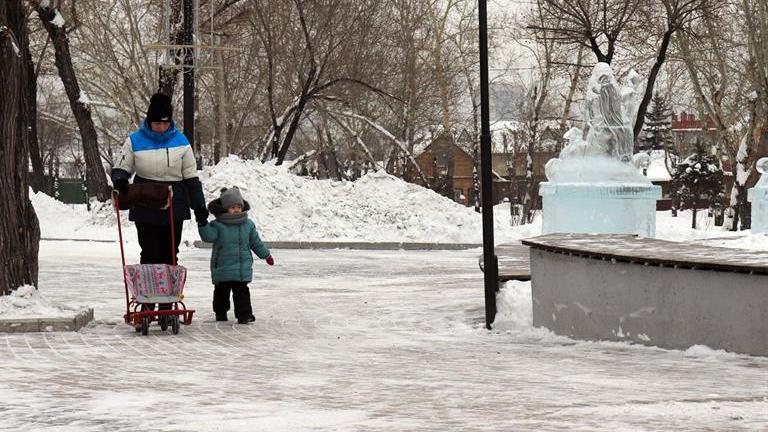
(160, 153)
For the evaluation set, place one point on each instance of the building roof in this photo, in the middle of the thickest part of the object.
(687, 122)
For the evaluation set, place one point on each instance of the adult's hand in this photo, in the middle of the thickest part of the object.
(201, 216)
(270, 260)
(121, 185)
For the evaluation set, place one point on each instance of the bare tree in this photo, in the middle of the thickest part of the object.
(19, 229)
(756, 29)
(296, 61)
(714, 61)
(307, 49)
(56, 27)
(595, 24)
(604, 25)
(678, 15)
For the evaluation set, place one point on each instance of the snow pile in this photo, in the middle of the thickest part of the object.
(513, 307)
(70, 221)
(707, 353)
(514, 314)
(657, 166)
(377, 207)
(27, 302)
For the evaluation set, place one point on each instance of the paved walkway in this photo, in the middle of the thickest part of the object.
(350, 341)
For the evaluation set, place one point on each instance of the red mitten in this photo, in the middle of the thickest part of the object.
(270, 260)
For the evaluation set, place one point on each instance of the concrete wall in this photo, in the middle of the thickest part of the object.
(587, 298)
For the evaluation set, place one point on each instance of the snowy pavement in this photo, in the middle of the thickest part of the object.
(351, 341)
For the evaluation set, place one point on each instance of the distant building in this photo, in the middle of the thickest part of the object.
(686, 128)
(449, 168)
(448, 163)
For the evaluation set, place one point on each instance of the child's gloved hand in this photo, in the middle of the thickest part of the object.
(270, 260)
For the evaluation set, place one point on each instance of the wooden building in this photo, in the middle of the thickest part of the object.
(448, 165)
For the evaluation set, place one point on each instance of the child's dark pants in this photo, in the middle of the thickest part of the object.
(240, 295)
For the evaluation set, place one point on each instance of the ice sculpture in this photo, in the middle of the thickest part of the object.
(593, 186)
(758, 196)
(609, 128)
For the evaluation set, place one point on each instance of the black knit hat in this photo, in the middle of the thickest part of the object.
(160, 108)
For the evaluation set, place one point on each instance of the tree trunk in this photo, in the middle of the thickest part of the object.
(571, 93)
(169, 76)
(693, 220)
(283, 152)
(222, 117)
(19, 229)
(660, 57)
(303, 99)
(30, 101)
(530, 182)
(82, 112)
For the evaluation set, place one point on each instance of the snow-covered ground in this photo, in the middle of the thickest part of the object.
(352, 341)
(348, 340)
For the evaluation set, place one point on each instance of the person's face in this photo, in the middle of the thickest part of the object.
(159, 126)
(235, 208)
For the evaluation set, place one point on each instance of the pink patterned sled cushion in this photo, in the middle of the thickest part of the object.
(155, 283)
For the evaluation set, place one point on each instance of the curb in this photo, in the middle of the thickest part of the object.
(26, 325)
(360, 245)
(76, 240)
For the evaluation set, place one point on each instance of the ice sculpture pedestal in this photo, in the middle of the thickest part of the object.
(600, 208)
(758, 196)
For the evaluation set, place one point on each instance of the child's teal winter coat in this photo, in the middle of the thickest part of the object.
(231, 259)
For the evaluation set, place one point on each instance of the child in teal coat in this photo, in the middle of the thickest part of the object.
(233, 236)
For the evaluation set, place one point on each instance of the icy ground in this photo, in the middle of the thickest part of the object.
(352, 341)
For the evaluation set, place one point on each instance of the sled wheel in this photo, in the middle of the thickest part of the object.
(145, 326)
(163, 322)
(175, 324)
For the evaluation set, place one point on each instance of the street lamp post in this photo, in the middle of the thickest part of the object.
(490, 262)
(189, 73)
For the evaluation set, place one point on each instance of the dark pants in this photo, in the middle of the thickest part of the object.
(240, 295)
(155, 243)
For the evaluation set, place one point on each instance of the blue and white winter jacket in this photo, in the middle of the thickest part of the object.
(164, 158)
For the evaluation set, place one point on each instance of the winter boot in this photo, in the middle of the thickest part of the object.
(221, 316)
(247, 320)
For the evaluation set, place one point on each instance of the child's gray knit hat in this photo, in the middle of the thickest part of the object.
(230, 197)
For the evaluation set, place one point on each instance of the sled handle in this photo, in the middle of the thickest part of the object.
(173, 230)
(116, 202)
